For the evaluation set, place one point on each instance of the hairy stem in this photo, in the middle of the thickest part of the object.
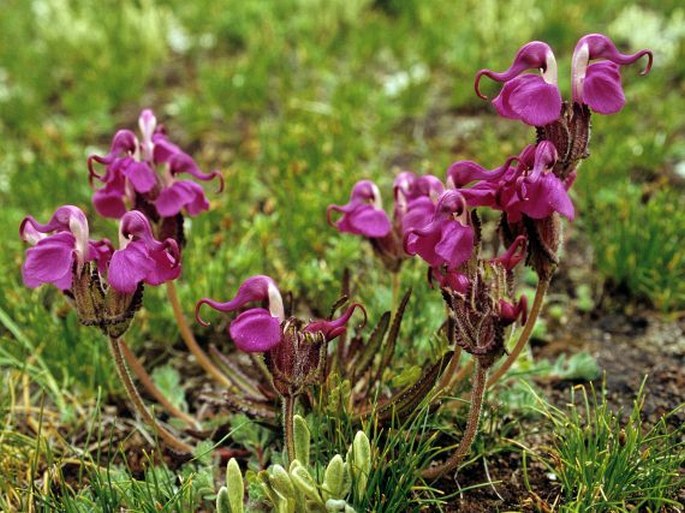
(540, 292)
(191, 343)
(477, 392)
(134, 396)
(145, 380)
(288, 426)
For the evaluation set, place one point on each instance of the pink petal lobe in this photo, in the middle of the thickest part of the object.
(50, 261)
(602, 89)
(536, 102)
(180, 194)
(129, 266)
(456, 244)
(255, 331)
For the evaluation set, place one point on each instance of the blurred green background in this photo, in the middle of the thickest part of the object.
(295, 100)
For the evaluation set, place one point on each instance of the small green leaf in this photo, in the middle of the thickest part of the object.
(223, 503)
(360, 464)
(236, 487)
(334, 482)
(302, 439)
(281, 483)
(304, 482)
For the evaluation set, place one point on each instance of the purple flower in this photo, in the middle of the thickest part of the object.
(529, 187)
(415, 199)
(363, 214)
(261, 329)
(141, 257)
(533, 99)
(147, 169)
(598, 84)
(256, 329)
(445, 239)
(56, 247)
(61, 248)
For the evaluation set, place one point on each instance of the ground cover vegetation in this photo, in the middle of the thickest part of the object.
(363, 400)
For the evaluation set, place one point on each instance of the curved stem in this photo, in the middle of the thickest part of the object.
(288, 426)
(134, 396)
(149, 385)
(477, 392)
(189, 339)
(540, 292)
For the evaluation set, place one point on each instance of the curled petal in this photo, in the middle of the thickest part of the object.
(255, 288)
(51, 260)
(334, 328)
(179, 161)
(67, 218)
(256, 331)
(600, 46)
(463, 172)
(534, 55)
(453, 280)
(123, 144)
(135, 224)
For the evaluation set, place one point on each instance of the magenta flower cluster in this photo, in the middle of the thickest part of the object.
(138, 174)
(434, 220)
(148, 169)
(536, 100)
(62, 245)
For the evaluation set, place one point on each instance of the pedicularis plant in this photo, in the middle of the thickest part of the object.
(438, 221)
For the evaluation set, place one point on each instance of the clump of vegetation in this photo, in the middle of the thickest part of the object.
(293, 132)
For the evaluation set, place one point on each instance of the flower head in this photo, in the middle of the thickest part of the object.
(598, 84)
(105, 284)
(529, 187)
(148, 169)
(141, 257)
(447, 238)
(56, 247)
(533, 99)
(259, 329)
(363, 214)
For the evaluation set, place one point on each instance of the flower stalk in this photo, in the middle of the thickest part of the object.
(145, 380)
(139, 406)
(477, 393)
(288, 426)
